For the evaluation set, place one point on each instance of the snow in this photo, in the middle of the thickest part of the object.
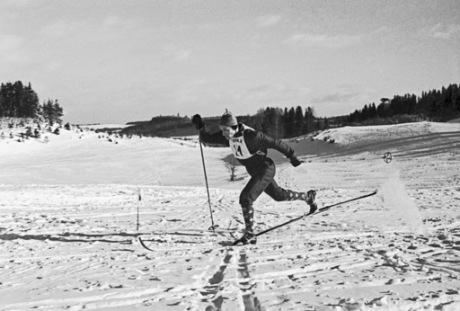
(69, 238)
(351, 135)
(103, 126)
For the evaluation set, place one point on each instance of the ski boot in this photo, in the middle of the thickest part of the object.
(247, 238)
(310, 196)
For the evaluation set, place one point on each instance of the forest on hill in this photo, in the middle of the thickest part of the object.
(20, 101)
(435, 105)
(275, 122)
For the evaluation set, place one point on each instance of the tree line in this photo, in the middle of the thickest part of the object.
(438, 105)
(283, 123)
(276, 122)
(19, 101)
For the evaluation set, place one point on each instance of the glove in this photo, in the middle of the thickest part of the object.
(196, 120)
(295, 162)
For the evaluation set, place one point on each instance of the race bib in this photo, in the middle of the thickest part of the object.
(239, 148)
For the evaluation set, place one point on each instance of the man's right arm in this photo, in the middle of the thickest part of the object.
(206, 137)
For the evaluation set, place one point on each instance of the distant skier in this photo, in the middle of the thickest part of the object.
(250, 148)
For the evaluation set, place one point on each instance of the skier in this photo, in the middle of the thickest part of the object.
(250, 148)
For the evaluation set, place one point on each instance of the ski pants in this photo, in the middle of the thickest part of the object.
(262, 180)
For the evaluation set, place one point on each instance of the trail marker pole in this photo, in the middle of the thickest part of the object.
(138, 206)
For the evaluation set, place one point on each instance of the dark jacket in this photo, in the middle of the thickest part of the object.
(248, 146)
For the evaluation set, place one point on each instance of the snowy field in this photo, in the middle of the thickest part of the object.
(69, 234)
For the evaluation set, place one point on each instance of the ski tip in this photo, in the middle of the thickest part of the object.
(144, 245)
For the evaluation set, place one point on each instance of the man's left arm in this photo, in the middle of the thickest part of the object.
(267, 142)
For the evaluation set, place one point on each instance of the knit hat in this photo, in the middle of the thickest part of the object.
(228, 119)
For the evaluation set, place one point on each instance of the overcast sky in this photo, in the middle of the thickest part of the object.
(117, 61)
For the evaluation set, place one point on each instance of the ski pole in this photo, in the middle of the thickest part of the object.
(207, 186)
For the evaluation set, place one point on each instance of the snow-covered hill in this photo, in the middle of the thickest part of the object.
(364, 134)
(69, 225)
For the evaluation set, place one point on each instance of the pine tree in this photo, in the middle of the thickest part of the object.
(58, 112)
(298, 121)
(18, 101)
(309, 120)
(289, 118)
(373, 111)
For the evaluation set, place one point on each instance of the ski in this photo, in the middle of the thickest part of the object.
(321, 210)
(215, 233)
(145, 245)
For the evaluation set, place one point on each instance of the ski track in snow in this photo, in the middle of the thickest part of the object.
(75, 247)
(88, 256)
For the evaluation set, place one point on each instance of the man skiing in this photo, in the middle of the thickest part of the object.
(250, 148)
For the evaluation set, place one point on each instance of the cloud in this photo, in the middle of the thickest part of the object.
(337, 97)
(343, 93)
(11, 49)
(446, 32)
(58, 29)
(268, 20)
(10, 43)
(20, 4)
(323, 41)
(53, 66)
(343, 100)
(183, 55)
(269, 95)
(381, 30)
(213, 97)
(110, 21)
(194, 91)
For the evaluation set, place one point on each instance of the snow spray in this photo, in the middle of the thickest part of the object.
(400, 208)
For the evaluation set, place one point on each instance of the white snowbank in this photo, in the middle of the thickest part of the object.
(364, 134)
(103, 126)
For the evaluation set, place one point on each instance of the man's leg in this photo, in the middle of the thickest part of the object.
(280, 194)
(249, 194)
